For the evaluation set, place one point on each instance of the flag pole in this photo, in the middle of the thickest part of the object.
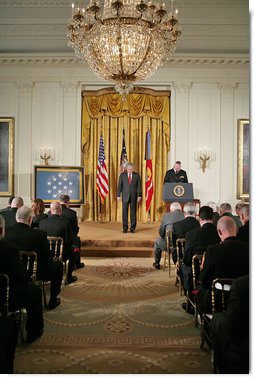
(101, 178)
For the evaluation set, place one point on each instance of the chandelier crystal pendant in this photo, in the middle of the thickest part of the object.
(124, 41)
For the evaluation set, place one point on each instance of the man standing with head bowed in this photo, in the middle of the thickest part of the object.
(129, 186)
(176, 174)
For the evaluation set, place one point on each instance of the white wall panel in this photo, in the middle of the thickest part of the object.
(47, 120)
(204, 136)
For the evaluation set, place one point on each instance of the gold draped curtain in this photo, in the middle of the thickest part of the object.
(107, 112)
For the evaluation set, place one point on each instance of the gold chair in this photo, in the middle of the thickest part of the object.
(166, 254)
(220, 292)
(180, 246)
(29, 259)
(56, 245)
(4, 295)
(191, 297)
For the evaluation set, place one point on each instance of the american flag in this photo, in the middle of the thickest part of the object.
(102, 174)
(123, 159)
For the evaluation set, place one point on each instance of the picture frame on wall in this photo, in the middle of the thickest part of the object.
(6, 156)
(52, 181)
(243, 159)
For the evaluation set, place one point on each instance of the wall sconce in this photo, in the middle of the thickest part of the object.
(203, 156)
(46, 154)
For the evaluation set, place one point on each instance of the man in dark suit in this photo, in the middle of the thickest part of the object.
(230, 330)
(129, 186)
(28, 239)
(228, 259)
(8, 206)
(71, 215)
(169, 218)
(9, 215)
(176, 174)
(197, 241)
(243, 231)
(180, 228)
(22, 292)
(56, 226)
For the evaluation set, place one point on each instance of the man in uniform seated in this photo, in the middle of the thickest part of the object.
(22, 292)
(71, 215)
(197, 242)
(56, 226)
(24, 237)
(228, 259)
(169, 218)
(180, 228)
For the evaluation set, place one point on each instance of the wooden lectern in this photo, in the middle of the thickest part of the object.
(180, 192)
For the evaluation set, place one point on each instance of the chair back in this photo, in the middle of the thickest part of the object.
(4, 295)
(221, 288)
(180, 246)
(29, 259)
(56, 246)
(196, 263)
(169, 239)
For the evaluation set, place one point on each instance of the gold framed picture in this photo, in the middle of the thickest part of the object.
(52, 181)
(243, 159)
(6, 156)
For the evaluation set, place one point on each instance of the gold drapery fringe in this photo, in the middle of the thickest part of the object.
(111, 114)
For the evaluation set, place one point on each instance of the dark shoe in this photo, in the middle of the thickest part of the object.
(71, 279)
(32, 337)
(80, 265)
(156, 265)
(54, 303)
(124, 231)
(132, 231)
(188, 308)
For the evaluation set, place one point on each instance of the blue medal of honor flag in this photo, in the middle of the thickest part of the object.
(51, 182)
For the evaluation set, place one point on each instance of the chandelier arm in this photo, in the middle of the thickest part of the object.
(144, 59)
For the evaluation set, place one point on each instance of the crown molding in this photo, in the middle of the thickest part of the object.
(70, 59)
(180, 3)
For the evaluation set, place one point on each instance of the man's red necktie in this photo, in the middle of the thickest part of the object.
(129, 178)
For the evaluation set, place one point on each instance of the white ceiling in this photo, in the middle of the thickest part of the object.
(209, 26)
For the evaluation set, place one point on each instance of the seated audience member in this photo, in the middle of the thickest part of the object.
(226, 210)
(238, 207)
(8, 206)
(56, 226)
(228, 259)
(22, 292)
(214, 207)
(28, 239)
(10, 214)
(38, 209)
(180, 228)
(230, 330)
(197, 242)
(8, 343)
(243, 231)
(71, 215)
(169, 218)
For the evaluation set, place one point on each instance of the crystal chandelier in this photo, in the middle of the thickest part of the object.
(125, 40)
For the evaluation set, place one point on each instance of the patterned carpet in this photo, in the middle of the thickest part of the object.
(121, 317)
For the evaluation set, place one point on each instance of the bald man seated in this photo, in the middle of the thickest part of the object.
(228, 259)
(56, 226)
